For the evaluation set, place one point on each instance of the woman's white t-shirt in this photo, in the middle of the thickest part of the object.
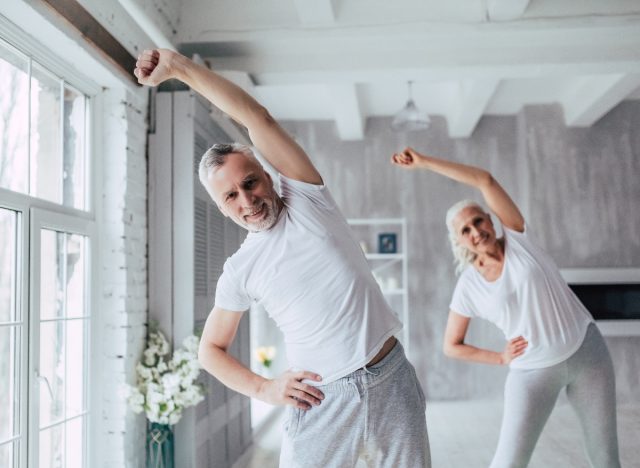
(313, 279)
(530, 298)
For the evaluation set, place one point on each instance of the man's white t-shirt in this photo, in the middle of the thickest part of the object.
(313, 279)
(530, 298)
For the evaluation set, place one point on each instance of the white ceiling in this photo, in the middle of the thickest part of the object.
(346, 60)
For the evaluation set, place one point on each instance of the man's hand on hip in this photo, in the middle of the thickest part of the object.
(288, 389)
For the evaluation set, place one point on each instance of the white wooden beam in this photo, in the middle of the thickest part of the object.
(473, 99)
(315, 11)
(506, 10)
(347, 111)
(592, 97)
(535, 48)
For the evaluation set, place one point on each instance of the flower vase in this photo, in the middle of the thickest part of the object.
(159, 446)
(267, 373)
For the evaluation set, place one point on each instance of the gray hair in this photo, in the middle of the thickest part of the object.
(216, 156)
(461, 255)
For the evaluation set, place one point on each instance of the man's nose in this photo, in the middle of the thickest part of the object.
(246, 198)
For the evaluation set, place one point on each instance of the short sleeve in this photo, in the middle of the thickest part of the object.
(230, 295)
(460, 301)
(511, 233)
(295, 190)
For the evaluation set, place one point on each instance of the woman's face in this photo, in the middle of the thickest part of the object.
(474, 230)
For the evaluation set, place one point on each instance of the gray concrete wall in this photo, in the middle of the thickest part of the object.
(578, 189)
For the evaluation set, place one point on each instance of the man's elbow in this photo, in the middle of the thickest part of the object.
(205, 351)
(485, 179)
(449, 349)
(260, 116)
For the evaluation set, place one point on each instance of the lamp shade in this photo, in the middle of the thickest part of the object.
(410, 118)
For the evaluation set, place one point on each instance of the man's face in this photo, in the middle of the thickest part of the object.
(244, 192)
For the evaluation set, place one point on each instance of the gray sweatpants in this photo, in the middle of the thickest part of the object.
(530, 395)
(375, 414)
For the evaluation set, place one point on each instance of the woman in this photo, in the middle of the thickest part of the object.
(553, 342)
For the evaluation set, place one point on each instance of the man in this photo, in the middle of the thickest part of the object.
(351, 393)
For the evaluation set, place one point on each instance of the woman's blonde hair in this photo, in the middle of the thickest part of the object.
(461, 255)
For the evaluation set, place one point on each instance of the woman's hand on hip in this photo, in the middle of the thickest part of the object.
(515, 347)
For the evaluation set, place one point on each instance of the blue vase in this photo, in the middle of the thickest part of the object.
(159, 446)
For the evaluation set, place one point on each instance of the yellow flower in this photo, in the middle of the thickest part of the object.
(265, 355)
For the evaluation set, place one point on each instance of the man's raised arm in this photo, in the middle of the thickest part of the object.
(283, 153)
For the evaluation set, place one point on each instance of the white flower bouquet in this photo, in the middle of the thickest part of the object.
(166, 385)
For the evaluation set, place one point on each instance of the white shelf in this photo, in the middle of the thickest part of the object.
(385, 266)
(374, 221)
(384, 256)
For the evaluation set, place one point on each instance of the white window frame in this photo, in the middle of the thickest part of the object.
(37, 213)
(45, 219)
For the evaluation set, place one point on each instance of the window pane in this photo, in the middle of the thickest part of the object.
(51, 447)
(76, 352)
(51, 274)
(8, 246)
(9, 381)
(75, 443)
(73, 175)
(76, 263)
(52, 372)
(46, 135)
(9, 454)
(14, 120)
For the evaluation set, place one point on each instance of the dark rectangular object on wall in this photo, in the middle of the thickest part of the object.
(94, 33)
(610, 301)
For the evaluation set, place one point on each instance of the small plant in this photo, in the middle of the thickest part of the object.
(265, 355)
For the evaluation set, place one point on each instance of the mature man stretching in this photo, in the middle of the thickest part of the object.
(350, 392)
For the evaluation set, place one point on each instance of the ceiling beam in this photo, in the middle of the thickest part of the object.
(534, 48)
(347, 111)
(592, 97)
(506, 10)
(314, 12)
(472, 101)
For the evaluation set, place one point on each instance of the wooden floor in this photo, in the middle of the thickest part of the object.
(464, 435)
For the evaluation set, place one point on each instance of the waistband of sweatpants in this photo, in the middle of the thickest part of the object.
(368, 376)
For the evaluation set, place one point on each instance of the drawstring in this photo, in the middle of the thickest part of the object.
(358, 388)
(375, 372)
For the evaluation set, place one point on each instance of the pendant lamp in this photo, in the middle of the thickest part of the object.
(410, 118)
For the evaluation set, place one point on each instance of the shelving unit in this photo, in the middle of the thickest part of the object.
(389, 269)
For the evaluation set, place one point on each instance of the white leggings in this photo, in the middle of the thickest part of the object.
(530, 396)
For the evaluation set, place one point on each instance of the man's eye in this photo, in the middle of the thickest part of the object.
(465, 231)
(230, 196)
(250, 183)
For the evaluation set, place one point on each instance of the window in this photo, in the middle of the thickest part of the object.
(47, 233)
(42, 131)
(12, 330)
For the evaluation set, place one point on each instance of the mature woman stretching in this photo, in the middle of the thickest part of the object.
(553, 342)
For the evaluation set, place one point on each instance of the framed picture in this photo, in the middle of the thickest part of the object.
(387, 242)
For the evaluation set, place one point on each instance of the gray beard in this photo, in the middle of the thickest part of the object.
(269, 220)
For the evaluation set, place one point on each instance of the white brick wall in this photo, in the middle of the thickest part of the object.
(123, 272)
